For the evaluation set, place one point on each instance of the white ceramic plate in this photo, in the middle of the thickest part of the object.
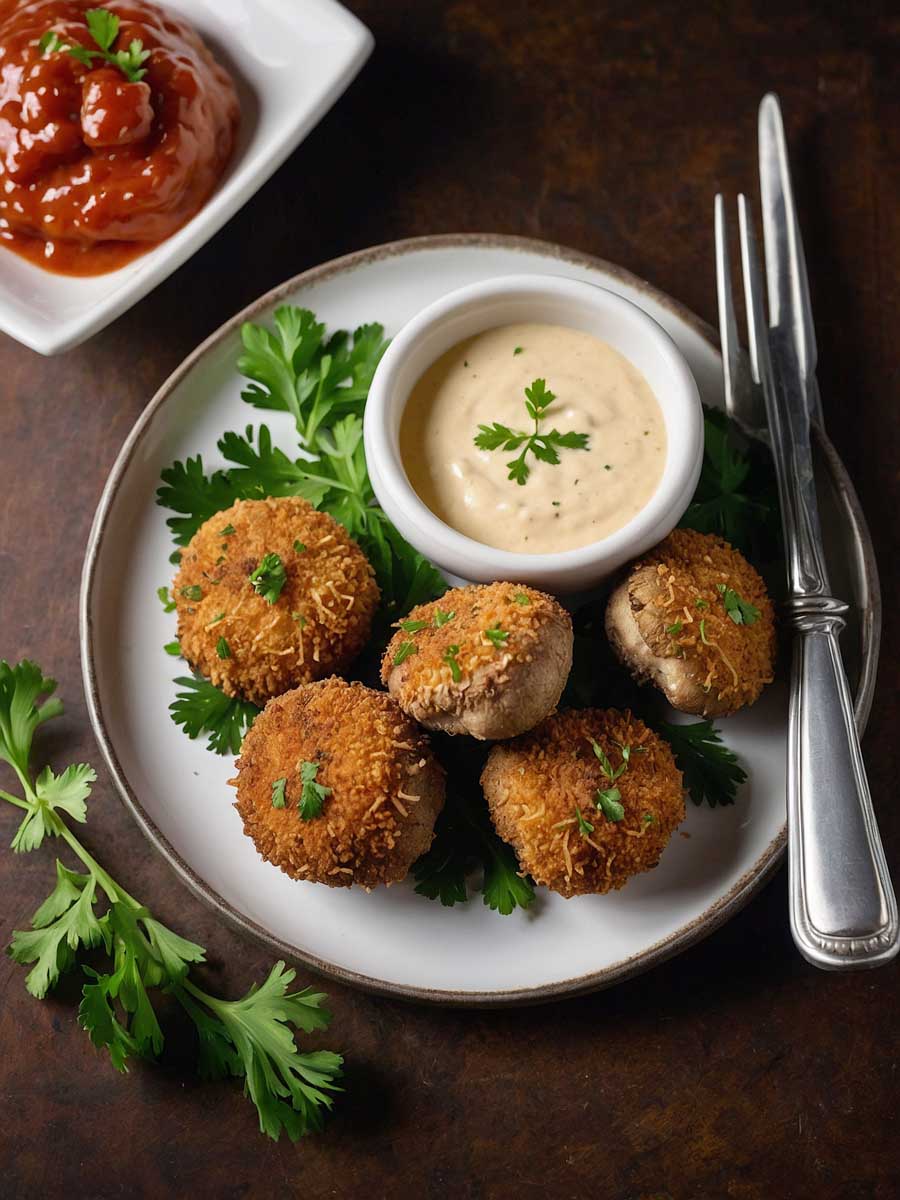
(392, 940)
(290, 62)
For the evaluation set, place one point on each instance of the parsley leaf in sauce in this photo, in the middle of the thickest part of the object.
(544, 446)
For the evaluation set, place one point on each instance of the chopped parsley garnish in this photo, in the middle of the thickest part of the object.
(522, 598)
(192, 591)
(217, 619)
(312, 794)
(269, 577)
(299, 547)
(711, 771)
(450, 659)
(103, 27)
(701, 603)
(518, 350)
(496, 636)
(173, 648)
(202, 708)
(608, 801)
(165, 599)
(134, 958)
(299, 618)
(647, 818)
(412, 626)
(278, 800)
(741, 611)
(703, 638)
(585, 828)
(226, 532)
(611, 773)
(223, 649)
(404, 651)
(544, 446)
(441, 618)
(175, 557)
(675, 628)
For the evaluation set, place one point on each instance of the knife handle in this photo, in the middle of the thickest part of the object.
(843, 908)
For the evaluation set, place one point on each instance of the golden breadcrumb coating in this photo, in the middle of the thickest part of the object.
(495, 668)
(386, 786)
(319, 622)
(681, 634)
(534, 783)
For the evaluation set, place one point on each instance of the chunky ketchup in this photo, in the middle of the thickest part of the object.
(94, 169)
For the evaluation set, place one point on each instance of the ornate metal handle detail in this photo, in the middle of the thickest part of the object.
(843, 908)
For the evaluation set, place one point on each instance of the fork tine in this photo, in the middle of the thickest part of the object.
(753, 294)
(728, 331)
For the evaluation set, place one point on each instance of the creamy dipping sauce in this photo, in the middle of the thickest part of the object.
(589, 494)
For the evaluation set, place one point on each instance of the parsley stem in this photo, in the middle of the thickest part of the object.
(16, 800)
(114, 892)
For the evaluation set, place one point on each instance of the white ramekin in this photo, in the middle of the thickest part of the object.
(558, 301)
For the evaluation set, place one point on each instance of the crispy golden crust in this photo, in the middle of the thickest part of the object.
(386, 786)
(669, 623)
(318, 624)
(534, 783)
(504, 686)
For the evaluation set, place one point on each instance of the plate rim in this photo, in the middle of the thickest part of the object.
(706, 923)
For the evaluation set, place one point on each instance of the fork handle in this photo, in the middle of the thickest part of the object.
(843, 908)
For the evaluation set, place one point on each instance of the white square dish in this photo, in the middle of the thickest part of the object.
(290, 61)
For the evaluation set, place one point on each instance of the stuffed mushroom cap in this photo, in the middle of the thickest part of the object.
(487, 660)
(694, 618)
(583, 819)
(336, 785)
(307, 616)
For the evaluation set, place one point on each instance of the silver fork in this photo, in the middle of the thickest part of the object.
(842, 905)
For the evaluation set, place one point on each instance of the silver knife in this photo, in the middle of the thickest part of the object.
(842, 904)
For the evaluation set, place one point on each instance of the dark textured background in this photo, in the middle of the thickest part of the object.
(735, 1070)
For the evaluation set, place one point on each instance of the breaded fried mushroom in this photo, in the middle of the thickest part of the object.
(694, 618)
(304, 614)
(336, 785)
(583, 819)
(490, 661)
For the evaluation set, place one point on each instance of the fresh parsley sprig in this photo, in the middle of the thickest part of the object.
(544, 446)
(200, 707)
(741, 611)
(87, 910)
(103, 26)
(711, 771)
(464, 841)
(269, 577)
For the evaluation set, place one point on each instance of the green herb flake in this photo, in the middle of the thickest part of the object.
(608, 801)
(412, 626)
(404, 651)
(441, 618)
(312, 794)
(675, 628)
(585, 828)
(278, 800)
(165, 599)
(741, 611)
(522, 598)
(227, 531)
(703, 638)
(518, 350)
(299, 547)
(269, 578)
(611, 773)
(449, 658)
(192, 591)
(173, 648)
(496, 636)
(216, 620)
(701, 603)
(223, 649)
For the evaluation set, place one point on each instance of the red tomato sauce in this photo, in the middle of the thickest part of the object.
(95, 170)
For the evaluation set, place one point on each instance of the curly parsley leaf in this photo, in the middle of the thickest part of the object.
(711, 771)
(200, 707)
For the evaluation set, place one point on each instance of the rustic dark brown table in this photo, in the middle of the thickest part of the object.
(735, 1070)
